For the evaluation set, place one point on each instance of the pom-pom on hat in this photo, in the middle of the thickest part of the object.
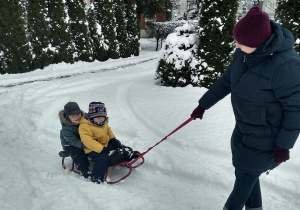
(97, 109)
(253, 29)
(72, 108)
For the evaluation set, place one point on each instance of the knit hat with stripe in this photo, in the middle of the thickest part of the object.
(97, 109)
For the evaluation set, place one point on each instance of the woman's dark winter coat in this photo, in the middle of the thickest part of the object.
(265, 96)
(69, 134)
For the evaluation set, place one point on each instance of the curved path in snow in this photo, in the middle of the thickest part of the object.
(190, 170)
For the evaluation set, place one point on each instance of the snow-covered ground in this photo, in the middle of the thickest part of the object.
(190, 170)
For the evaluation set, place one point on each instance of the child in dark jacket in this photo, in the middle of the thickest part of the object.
(70, 117)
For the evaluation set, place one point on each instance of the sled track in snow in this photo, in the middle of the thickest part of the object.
(77, 74)
(136, 120)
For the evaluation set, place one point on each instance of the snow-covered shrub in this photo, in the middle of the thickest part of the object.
(161, 30)
(178, 63)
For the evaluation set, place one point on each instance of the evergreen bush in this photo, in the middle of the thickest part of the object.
(39, 34)
(122, 37)
(14, 49)
(160, 30)
(60, 33)
(65, 31)
(79, 29)
(132, 27)
(178, 64)
(96, 38)
(106, 19)
(216, 23)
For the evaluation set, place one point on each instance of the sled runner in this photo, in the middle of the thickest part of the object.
(115, 160)
(124, 156)
(63, 154)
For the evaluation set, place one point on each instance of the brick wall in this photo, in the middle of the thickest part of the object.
(160, 17)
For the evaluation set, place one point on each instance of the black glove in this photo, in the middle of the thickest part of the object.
(115, 143)
(105, 150)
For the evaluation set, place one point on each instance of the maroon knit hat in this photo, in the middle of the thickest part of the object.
(253, 29)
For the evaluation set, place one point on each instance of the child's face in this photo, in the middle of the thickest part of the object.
(99, 119)
(75, 118)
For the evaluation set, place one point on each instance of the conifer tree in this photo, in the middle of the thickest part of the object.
(14, 48)
(132, 27)
(122, 37)
(60, 35)
(96, 38)
(79, 29)
(106, 18)
(215, 39)
(39, 34)
(287, 13)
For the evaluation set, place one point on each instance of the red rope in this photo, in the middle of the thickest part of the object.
(141, 156)
(179, 127)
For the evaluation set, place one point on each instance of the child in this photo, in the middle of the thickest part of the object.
(70, 117)
(99, 139)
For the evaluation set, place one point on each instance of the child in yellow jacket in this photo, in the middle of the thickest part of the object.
(98, 139)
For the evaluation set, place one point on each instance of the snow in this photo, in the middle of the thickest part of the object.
(190, 170)
(179, 49)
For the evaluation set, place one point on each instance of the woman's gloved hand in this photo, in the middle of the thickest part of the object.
(280, 154)
(198, 112)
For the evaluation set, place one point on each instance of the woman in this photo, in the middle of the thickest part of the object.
(264, 82)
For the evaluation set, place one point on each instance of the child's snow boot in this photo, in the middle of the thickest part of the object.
(97, 181)
(86, 173)
(135, 155)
